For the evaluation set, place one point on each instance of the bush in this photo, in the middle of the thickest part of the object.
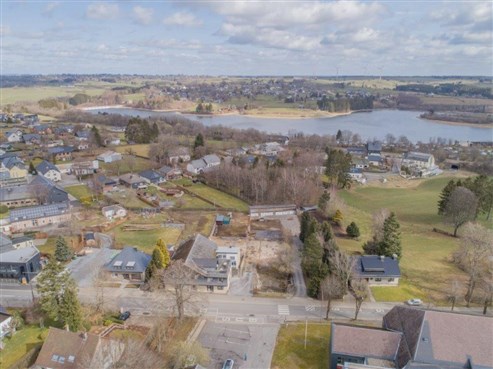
(3, 209)
(352, 230)
(107, 322)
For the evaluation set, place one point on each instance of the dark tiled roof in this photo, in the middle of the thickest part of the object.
(374, 146)
(60, 150)
(150, 174)
(377, 266)
(45, 166)
(129, 260)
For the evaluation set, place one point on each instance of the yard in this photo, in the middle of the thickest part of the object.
(140, 149)
(219, 198)
(290, 351)
(128, 164)
(48, 248)
(425, 263)
(79, 192)
(20, 344)
(127, 198)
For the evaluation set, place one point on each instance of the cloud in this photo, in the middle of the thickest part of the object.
(5, 30)
(143, 15)
(50, 8)
(182, 19)
(102, 11)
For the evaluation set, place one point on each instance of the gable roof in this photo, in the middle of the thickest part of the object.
(68, 350)
(211, 159)
(132, 178)
(12, 161)
(418, 156)
(129, 260)
(31, 136)
(377, 266)
(45, 166)
(41, 211)
(60, 150)
(21, 255)
(5, 243)
(364, 341)
(374, 146)
(198, 164)
(150, 174)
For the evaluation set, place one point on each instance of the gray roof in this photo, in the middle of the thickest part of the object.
(211, 159)
(60, 149)
(16, 193)
(150, 174)
(45, 166)
(5, 243)
(31, 136)
(376, 266)
(35, 212)
(418, 156)
(165, 170)
(374, 146)
(198, 164)
(132, 178)
(128, 260)
(20, 255)
(12, 161)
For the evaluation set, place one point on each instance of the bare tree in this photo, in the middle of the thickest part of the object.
(39, 192)
(343, 265)
(129, 160)
(158, 336)
(185, 355)
(486, 287)
(454, 292)
(178, 280)
(474, 255)
(378, 219)
(359, 290)
(461, 207)
(330, 288)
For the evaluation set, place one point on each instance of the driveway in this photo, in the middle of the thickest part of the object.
(249, 345)
(84, 269)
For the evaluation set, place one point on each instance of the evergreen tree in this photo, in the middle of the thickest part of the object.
(323, 202)
(445, 195)
(338, 135)
(32, 170)
(199, 141)
(155, 131)
(312, 255)
(326, 231)
(157, 258)
(49, 286)
(162, 246)
(97, 137)
(62, 251)
(337, 218)
(70, 310)
(150, 271)
(391, 242)
(305, 220)
(353, 230)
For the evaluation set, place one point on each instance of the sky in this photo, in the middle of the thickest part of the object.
(218, 37)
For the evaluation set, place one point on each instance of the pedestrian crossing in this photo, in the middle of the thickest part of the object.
(310, 307)
(283, 309)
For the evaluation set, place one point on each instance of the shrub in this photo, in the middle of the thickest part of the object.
(3, 209)
(352, 230)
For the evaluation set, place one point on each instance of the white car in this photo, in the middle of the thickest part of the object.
(415, 302)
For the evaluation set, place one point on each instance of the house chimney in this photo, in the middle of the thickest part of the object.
(394, 256)
(382, 257)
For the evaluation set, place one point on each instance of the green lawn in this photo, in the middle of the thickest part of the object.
(17, 346)
(49, 247)
(79, 191)
(141, 150)
(127, 165)
(145, 240)
(425, 264)
(12, 95)
(290, 352)
(220, 198)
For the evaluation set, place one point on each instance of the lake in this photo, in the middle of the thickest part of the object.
(369, 125)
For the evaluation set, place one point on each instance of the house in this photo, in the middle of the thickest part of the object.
(180, 154)
(270, 149)
(209, 273)
(356, 151)
(114, 211)
(113, 141)
(14, 136)
(15, 166)
(18, 196)
(35, 217)
(229, 253)
(418, 160)
(204, 164)
(106, 183)
(31, 118)
(109, 157)
(61, 153)
(152, 176)
(84, 168)
(5, 321)
(21, 242)
(261, 211)
(363, 345)
(413, 338)
(19, 264)
(49, 170)
(63, 349)
(212, 160)
(375, 160)
(130, 264)
(378, 270)
(170, 173)
(42, 129)
(133, 181)
(82, 135)
(356, 174)
(31, 139)
(47, 191)
(374, 148)
(90, 239)
(82, 145)
(360, 163)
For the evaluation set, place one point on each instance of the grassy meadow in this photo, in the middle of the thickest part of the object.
(425, 264)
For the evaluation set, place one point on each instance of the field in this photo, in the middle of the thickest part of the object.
(290, 352)
(127, 164)
(425, 264)
(140, 150)
(219, 198)
(12, 95)
(20, 344)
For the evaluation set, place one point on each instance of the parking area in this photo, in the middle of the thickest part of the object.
(85, 268)
(249, 345)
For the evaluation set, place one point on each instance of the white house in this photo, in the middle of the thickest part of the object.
(110, 157)
(49, 170)
(356, 174)
(201, 165)
(114, 211)
(5, 320)
(229, 253)
(419, 160)
(14, 136)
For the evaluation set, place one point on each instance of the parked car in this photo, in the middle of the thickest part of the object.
(228, 364)
(415, 302)
(124, 316)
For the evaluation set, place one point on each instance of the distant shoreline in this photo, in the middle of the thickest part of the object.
(466, 124)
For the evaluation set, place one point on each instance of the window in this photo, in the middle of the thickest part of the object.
(391, 279)
(378, 279)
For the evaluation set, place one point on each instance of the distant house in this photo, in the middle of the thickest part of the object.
(63, 349)
(40, 190)
(374, 148)
(412, 338)
(19, 259)
(261, 211)
(375, 160)
(84, 168)
(170, 173)
(15, 166)
(14, 136)
(42, 129)
(61, 153)
(204, 164)
(35, 217)
(133, 181)
(378, 270)
(90, 239)
(130, 264)
(356, 174)
(356, 151)
(109, 157)
(47, 191)
(5, 321)
(106, 183)
(419, 160)
(152, 176)
(31, 139)
(211, 274)
(49, 170)
(270, 149)
(82, 145)
(230, 253)
(82, 135)
(114, 211)
(180, 154)
(112, 141)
